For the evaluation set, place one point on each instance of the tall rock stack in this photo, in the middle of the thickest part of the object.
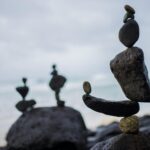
(130, 71)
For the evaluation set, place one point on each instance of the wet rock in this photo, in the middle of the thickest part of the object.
(114, 108)
(48, 128)
(124, 142)
(130, 71)
(129, 33)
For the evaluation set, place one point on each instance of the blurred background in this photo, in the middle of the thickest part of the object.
(81, 37)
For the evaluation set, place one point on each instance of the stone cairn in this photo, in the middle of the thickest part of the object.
(24, 105)
(56, 83)
(130, 71)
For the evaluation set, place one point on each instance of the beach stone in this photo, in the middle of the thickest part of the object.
(121, 108)
(129, 125)
(3, 148)
(129, 9)
(87, 87)
(48, 128)
(124, 142)
(25, 105)
(130, 71)
(108, 131)
(129, 33)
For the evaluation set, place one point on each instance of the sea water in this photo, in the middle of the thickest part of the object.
(72, 94)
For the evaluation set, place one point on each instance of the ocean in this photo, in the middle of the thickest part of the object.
(72, 94)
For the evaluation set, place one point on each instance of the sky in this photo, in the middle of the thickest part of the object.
(80, 36)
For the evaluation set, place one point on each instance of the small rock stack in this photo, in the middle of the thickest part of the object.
(47, 128)
(130, 71)
(56, 83)
(24, 105)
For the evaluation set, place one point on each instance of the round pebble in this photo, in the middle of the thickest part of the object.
(129, 125)
(129, 9)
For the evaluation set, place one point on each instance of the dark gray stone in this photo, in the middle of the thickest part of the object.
(48, 128)
(124, 142)
(130, 71)
(114, 108)
(129, 33)
(25, 105)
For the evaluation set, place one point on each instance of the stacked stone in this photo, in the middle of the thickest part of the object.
(56, 83)
(24, 105)
(130, 71)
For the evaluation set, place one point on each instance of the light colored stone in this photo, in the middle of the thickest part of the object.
(129, 124)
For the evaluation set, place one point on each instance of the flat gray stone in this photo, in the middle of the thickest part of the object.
(130, 71)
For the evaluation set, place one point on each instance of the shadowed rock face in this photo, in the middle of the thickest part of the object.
(48, 128)
(124, 142)
(130, 71)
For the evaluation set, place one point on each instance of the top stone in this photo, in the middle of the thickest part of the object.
(129, 32)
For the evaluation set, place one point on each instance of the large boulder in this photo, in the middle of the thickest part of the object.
(48, 128)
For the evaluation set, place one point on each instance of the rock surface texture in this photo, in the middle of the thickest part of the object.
(48, 128)
(124, 142)
(130, 71)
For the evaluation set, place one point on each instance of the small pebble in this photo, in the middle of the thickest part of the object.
(87, 87)
(129, 125)
(129, 9)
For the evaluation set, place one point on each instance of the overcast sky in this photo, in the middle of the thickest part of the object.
(81, 36)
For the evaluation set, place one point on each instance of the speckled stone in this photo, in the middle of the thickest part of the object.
(129, 125)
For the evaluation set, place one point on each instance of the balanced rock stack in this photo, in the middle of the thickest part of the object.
(56, 83)
(24, 105)
(48, 128)
(130, 71)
